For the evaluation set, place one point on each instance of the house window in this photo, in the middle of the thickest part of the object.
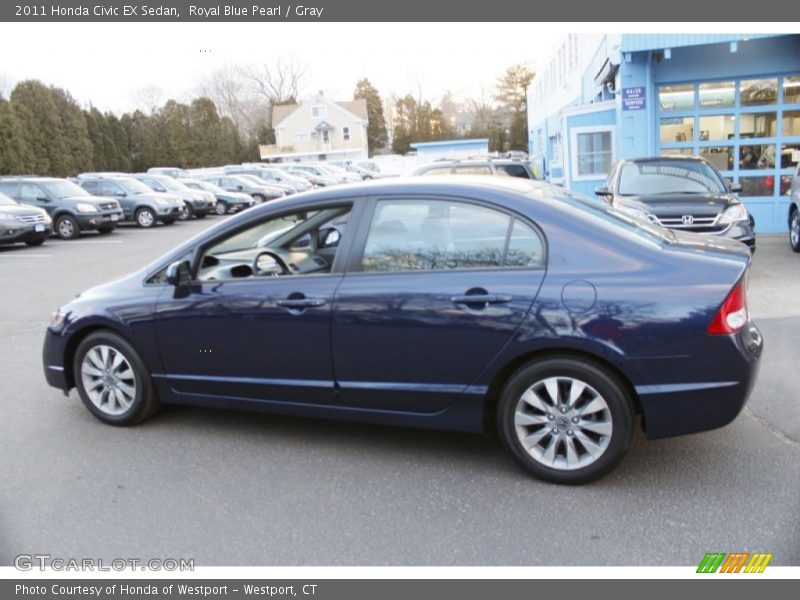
(318, 111)
(325, 136)
(346, 134)
(593, 152)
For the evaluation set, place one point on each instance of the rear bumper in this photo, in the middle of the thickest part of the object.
(679, 408)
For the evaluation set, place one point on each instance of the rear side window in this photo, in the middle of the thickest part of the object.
(437, 171)
(513, 171)
(90, 186)
(9, 188)
(109, 188)
(437, 235)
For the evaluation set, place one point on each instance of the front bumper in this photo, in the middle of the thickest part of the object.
(95, 221)
(53, 361)
(24, 232)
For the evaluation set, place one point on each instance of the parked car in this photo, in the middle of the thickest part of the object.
(317, 176)
(271, 175)
(198, 202)
(683, 193)
(174, 172)
(337, 171)
(488, 166)
(70, 207)
(22, 223)
(227, 202)
(794, 211)
(447, 304)
(285, 189)
(235, 183)
(354, 169)
(139, 203)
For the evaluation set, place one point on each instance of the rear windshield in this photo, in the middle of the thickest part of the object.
(607, 215)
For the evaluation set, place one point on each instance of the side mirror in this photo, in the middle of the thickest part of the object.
(735, 187)
(239, 188)
(43, 198)
(602, 191)
(120, 193)
(178, 274)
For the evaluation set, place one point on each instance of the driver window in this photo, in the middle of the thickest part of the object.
(300, 243)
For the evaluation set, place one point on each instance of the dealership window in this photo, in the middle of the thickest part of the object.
(790, 156)
(676, 97)
(757, 186)
(791, 89)
(593, 152)
(756, 125)
(757, 156)
(786, 185)
(717, 127)
(720, 94)
(719, 156)
(346, 134)
(676, 129)
(791, 122)
(318, 111)
(757, 92)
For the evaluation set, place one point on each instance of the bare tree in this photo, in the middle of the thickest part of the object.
(148, 98)
(5, 86)
(230, 89)
(279, 82)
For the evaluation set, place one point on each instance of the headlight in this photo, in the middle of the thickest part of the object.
(734, 213)
(638, 214)
(9, 218)
(57, 322)
(85, 208)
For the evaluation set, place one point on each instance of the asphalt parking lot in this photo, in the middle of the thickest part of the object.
(232, 488)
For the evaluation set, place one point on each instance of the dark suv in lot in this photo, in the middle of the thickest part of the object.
(21, 223)
(139, 203)
(70, 207)
(503, 167)
(679, 193)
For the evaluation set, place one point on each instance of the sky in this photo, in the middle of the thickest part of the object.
(110, 64)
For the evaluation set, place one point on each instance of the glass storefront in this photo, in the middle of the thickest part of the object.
(749, 128)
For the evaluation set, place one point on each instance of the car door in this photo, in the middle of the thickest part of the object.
(434, 289)
(33, 194)
(250, 339)
(114, 190)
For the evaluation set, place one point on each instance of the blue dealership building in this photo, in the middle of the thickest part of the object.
(732, 99)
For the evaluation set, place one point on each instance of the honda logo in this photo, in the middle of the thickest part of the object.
(687, 219)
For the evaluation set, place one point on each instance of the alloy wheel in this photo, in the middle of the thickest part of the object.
(794, 230)
(108, 379)
(563, 423)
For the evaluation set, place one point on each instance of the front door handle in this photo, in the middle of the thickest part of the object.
(300, 303)
(481, 299)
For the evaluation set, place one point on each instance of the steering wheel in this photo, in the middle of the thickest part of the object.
(285, 270)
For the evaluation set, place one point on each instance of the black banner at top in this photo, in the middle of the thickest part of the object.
(399, 11)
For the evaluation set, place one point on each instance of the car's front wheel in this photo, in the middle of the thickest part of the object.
(112, 380)
(565, 420)
(66, 227)
(794, 230)
(145, 217)
(221, 207)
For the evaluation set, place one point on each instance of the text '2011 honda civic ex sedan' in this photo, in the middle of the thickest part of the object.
(454, 305)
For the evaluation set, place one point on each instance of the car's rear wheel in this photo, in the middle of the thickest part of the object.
(221, 207)
(112, 380)
(794, 230)
(145, 217)
(565, 420)
(259, 198)
(66, 227)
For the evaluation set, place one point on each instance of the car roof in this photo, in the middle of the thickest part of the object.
(649, 159)
(29, 177)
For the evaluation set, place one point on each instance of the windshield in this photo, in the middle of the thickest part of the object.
(171, 184)
(63, 189)
(254, 179)
(206, 185)
(669, 177)
(6, 201)
(134, 186)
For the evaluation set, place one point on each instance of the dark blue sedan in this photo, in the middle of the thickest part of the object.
(460, 305)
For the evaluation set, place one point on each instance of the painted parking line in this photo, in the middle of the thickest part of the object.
(26, 255)
(94, 242)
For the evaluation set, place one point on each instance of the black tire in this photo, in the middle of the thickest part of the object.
(186, 213)
(794, 230)
(563, 428)
(35, 242)
(66, 227)
(144, 401)
(106, 229)
(200, 215)
(169, 220)
(221, 207)
(145, 217)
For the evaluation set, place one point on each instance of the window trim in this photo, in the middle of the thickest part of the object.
(574, 133)
(323, 111)
(359, 240)
(346, 135)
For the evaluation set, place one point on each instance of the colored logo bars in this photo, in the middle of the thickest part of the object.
(734, 562)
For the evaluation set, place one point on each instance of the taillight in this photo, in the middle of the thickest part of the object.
(732, 315)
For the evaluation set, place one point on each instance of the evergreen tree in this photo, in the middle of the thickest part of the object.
(377, 135)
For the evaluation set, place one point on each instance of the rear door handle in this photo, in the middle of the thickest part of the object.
(481, 299)
(296, 303)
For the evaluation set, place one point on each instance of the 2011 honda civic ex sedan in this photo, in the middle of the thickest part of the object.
(435, 303)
